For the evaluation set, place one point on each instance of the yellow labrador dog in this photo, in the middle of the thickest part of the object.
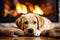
(33, 24)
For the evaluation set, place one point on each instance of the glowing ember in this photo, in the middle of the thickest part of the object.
(6, 10)
(14, 14)
(38, 10)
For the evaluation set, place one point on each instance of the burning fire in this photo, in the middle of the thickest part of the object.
(21, 8)
(27, 8)
(24, 9)
(38, 10)
(18, 7)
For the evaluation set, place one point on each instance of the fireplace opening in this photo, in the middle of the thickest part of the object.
(12, 9)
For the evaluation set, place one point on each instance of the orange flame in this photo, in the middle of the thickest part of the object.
(14, 14)
(6, 10)
(38, 10)
(21, 8)
(30, 6)
(18, 7)
(24, 9)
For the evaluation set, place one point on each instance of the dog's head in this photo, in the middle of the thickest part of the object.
(29, 23)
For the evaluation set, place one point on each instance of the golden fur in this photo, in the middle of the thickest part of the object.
(42, 23)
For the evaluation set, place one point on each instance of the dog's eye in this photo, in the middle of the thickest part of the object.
(26, 22)
(34, 22)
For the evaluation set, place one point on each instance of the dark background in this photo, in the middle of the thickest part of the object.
(9, 18)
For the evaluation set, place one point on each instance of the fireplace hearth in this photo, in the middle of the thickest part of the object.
(10, 10)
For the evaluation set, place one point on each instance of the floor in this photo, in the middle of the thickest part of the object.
(28, 38)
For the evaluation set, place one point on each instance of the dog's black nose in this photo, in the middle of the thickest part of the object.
(30, 30)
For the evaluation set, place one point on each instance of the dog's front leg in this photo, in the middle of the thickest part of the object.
(37, 33)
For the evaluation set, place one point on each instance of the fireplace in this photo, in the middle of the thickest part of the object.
(10, 10)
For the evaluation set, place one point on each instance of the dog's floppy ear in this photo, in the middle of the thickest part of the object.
(19, 22)
(40, 20)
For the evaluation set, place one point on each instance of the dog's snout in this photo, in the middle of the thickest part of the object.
(30, 30)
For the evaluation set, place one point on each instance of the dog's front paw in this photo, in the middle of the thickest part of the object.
(19, 32)
(37, 33)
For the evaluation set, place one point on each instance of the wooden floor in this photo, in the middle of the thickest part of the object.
(28, 38)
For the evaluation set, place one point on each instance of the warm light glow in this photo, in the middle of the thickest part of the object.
(30, 6)
(24, 9)
(6, 10)
(21, 8)
(14, 14)
(38, 10)
(18, 7)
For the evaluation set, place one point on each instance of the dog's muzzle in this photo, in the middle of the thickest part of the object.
(30, 31)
